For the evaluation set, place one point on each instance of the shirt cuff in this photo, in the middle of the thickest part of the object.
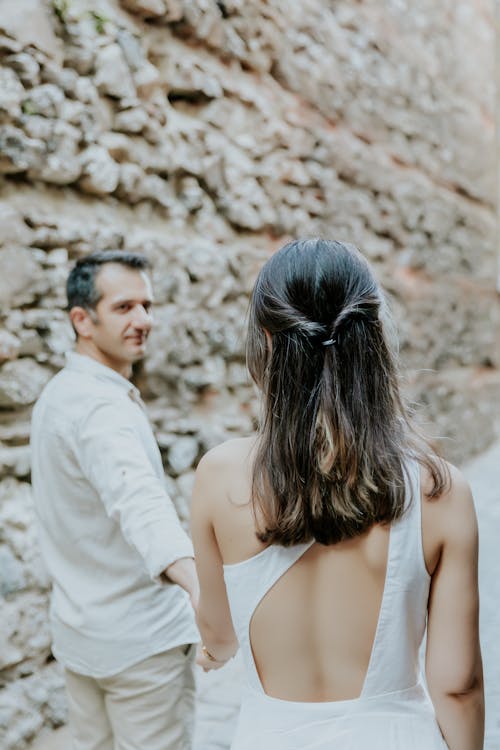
(171, 554)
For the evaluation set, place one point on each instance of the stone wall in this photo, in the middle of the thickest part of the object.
(207, 134)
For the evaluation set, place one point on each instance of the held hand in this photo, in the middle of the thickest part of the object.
(205, 662)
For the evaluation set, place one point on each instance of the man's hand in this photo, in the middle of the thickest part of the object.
(205, 662)
(183, 572)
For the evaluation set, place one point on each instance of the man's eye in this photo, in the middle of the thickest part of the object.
(124, 307)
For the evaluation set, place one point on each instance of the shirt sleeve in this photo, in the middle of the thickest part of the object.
(114, 460)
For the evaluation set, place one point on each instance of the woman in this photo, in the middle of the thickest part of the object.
(327, 545)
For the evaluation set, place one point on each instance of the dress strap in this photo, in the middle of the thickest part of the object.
(273, 566)
(248, 582)
(401, 622)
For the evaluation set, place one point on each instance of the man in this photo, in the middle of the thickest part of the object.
(122, 567)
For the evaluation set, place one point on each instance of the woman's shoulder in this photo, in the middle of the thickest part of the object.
(226, 454)
(227, 466)
(452, 514)
(223, 477)
(456, 491)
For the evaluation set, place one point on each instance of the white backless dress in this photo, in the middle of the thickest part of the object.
(393, 711)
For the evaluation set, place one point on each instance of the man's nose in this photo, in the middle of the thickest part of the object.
(143, 317)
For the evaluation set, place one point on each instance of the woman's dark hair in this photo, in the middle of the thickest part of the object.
(81, 288)
(335, 435)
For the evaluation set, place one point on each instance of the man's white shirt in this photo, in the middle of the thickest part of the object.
(107, 525)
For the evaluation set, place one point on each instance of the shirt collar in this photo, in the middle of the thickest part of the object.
(84, 363)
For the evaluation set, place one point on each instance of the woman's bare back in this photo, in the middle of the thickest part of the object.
(312, 633)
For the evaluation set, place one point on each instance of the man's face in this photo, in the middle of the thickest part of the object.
(120, 324)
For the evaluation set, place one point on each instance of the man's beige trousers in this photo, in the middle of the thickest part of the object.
(149, 706)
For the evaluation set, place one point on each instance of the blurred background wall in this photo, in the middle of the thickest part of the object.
(206, 134)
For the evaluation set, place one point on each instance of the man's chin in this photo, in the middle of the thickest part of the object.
(134, 355)
(138, 354)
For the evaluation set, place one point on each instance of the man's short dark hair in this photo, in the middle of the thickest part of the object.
(81, 288)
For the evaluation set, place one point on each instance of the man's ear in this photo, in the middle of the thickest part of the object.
(82, 321)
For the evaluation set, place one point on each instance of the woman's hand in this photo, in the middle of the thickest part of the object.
(205, 662)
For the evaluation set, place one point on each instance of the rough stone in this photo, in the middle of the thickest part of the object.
(131, 120)
(100, 174)
(15, 461)
(18, 152)
(21, 382)
(13, 228)
(15, 431)
(28, 21)
(61, 165)
(132, 49)
(19, 725)
(9, 346)
(11, 93)
(113, 75)
(11, 572)
(185, 484)
(182, 454)
(9, 657)
(168, 10)
(20, 281)
(26, 67)
(146, 79)
(46, 100)
(27, 629)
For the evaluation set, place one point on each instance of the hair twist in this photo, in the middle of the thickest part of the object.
(363, 310)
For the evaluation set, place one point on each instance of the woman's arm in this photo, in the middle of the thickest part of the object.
(183, 573)
(453, 657)
(213, 615)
